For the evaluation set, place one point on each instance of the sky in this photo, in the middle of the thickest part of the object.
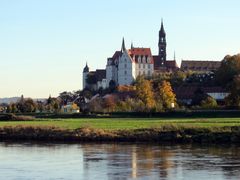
(45, 44)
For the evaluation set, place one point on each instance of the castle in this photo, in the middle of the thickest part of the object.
(125, 65)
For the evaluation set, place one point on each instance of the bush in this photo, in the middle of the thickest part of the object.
(209, 103)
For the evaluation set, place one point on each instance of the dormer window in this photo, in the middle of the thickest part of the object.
(149, 60)
(139, 59)
(144, 59)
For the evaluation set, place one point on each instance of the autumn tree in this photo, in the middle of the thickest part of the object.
(165, 95)
(144, 92)
(109, 103)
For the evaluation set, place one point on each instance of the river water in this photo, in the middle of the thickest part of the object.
(118, 161)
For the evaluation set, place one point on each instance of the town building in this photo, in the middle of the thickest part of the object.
(200, 65)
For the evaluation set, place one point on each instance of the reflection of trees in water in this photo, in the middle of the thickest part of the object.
(124, 161)
(212, 158)
(121, 161)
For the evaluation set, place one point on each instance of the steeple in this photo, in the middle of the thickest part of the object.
(86, 69)
(123, 46)
(162, 31)
(132, 45)
(162, 45)
(174, 58)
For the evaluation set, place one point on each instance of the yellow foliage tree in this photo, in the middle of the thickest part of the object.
(165, 95)
(144, 92)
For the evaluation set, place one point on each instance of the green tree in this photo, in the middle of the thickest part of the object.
(234, 97)
(178, 78)
(230, 67)
(209, 103)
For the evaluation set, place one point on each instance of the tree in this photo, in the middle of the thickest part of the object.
(234, 97)
(165, 95)
(25, 105)
(144, 92)
(96, 105)
(178, 78)
(112, 86)
(199, 96)
(209, 103)
(66, 97)
(230, 67)
(53, 104)
(109, 103)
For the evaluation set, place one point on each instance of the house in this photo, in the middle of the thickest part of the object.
(185, 94)
(70, 108)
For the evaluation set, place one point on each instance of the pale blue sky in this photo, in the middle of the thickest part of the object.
(44, 44)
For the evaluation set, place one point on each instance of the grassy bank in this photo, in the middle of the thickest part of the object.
(216, 130)
(127, 123)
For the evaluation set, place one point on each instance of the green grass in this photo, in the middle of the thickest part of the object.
(127, 123)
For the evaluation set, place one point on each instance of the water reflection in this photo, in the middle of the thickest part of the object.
(164, 162)
(118, 161)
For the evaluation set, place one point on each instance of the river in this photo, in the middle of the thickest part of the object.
(23, 161)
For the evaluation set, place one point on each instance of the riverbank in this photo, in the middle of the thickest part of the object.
(170, 134)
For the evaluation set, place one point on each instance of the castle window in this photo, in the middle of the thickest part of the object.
(149, 60)
(144, 59)
(149, 66)
(139, 59)
(125, 72)
(125, 65)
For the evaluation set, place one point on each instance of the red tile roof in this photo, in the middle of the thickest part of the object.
(140, 52)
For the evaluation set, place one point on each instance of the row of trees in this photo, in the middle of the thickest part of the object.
(143, 96)
(28, 105)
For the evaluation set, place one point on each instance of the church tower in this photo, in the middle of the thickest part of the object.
(85, 74)
(162, 44)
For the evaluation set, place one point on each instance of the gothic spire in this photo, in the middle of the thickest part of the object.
(162, 31)
(132, 45)
(123, 45)
(86, 69)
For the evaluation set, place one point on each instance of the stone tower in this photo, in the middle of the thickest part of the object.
(162, 45)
